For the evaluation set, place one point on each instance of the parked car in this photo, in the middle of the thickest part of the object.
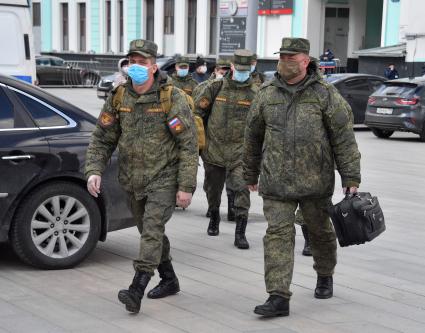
(46, 212)
(56, 71)
(166, 64)
(355, 88)
(398, 105)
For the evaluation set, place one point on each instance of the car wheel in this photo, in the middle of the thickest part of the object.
(422, 134)
(383, 134)
(56, 226)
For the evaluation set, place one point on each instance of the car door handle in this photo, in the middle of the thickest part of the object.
(17, 157)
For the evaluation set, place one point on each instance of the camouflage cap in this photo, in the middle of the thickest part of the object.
(294, 46)
(182, 60)
(223, 63)
(242, 59)
(254, 57)
(145, 48)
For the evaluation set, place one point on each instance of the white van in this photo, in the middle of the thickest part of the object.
(17, 51)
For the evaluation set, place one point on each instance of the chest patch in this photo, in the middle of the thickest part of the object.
(221, 99)
(244, 103)
(125, 109)
(154, 110)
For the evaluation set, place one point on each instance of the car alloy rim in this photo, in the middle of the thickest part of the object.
(60, 226)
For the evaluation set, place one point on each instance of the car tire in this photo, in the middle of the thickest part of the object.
(422, 134)
(383, 134)
(56, 226)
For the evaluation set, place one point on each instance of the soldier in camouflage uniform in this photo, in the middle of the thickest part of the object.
(297, 126)
(222, 67)
(256, 76)
(224, 105)
(299, 219)
(181, 78)
(158, 159)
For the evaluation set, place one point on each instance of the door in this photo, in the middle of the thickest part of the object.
(23, 151)
(356, 92)
(336, 33)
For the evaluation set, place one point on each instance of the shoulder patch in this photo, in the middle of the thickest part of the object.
(204, 103)
(175, 125)
(106, 119)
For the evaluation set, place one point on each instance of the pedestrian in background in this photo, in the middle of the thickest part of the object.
(391, 72)
(200, 74)
(224, 105)
(297, 126)
(158, 160)
(182, 78)
(122, 74)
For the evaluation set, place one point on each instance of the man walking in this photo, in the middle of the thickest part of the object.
(224, 105)
(182, 78)
(297, 126)
(158, 159)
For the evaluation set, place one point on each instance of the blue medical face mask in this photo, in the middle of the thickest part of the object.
(241, 76)
(253, 68)
(182, 72)
(139, 74)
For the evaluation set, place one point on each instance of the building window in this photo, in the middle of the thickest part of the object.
(82, 27)
(65, 36)
(108, 25)
(150, 7)
(213, 26)
(121, 25)
(191, 26)
(36, 14)
(169, 17)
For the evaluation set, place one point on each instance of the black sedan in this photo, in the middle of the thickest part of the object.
(56, 71)
(355, 88)
(398, 105)
(46, 212)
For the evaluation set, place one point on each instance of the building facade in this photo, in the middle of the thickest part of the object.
(212, 27)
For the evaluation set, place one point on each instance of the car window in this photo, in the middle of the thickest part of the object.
(42, 115)
(57, 62)
(375, 84)
(400, 89)
(360, 84)
(7, 114)
(42, 62)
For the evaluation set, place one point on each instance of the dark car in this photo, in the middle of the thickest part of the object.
(166, 64)
(46, 211)
(355, 88)
(56, 71)
(398, 105)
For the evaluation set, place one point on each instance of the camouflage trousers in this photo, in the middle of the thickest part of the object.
(216, 176)
(299, 219)
(229, 191)
(279, 241)
(151, 213)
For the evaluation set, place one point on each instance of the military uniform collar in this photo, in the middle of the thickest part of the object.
(235, 84)
(188, 77)
(157, 83)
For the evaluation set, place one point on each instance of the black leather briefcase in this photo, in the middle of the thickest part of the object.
(357, 219)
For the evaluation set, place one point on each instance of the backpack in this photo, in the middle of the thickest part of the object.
(165, 99)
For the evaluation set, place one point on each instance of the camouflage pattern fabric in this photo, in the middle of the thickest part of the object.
(257, 78)
(296, 137)
(156, 150)
(299, 219)
(216, 176)
(151, 214)
(187, 83)
(279, 241)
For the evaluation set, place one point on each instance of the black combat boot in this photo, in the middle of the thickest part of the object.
(307, 248)
(208, 214)
(240, 239)
(324, 287)
(214, 222)
(274, 306)
(230, 206)
(132, 296)
(169, 284)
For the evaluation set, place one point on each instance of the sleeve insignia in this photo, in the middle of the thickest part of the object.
(175, 125)
(106, 119)
(204, 103)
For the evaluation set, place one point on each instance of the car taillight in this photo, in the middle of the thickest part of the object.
(406, 101)
(371, 100)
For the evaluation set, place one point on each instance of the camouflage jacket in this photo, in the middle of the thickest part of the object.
(257, 78)
(198, 89)
(292, 140)
(187, 83)
(156, 150)
(223, 104)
